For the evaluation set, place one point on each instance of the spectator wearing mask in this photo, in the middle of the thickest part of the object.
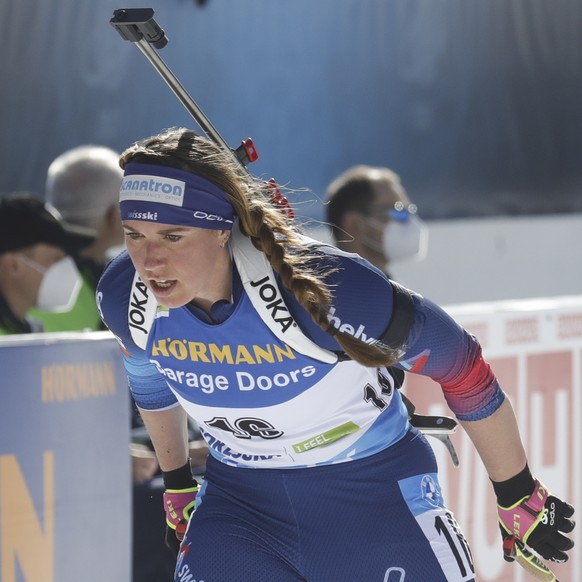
(371, 215)
(36, 265)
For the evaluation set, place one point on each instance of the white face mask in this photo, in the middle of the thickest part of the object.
(402, 240)
(60, 284)
(405, 240)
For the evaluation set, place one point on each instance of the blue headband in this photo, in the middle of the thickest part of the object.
(171, 196)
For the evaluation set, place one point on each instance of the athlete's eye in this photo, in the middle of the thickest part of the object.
(173, 237)
(133, 235)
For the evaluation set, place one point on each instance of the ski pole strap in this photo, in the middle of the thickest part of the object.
(402, 317)
(513, 549)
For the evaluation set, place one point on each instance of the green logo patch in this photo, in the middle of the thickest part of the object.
(327, 437)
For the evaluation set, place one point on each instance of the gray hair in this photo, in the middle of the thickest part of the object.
(83, 183)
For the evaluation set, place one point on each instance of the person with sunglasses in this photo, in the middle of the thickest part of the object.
(280, 347)
(370, 214)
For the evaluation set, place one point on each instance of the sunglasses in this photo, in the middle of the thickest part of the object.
(398, 211)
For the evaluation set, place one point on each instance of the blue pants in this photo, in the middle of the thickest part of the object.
(379, 519)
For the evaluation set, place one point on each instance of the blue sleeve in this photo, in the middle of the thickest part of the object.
(114, 294)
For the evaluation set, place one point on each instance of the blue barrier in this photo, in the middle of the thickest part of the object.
(65, 494)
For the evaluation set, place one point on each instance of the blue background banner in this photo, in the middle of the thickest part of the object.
(475, 104)
(65, 506)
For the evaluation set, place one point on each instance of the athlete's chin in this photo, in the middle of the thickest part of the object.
(169, 297)
(171, 302)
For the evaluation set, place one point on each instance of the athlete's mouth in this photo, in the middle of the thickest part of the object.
(162, 284)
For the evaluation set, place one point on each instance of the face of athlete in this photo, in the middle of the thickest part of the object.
(180, 264)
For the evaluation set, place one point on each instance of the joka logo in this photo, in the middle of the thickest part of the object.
(270, 295)
(137, 311)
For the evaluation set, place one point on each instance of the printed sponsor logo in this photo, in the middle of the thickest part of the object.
(549, 516)
(416, 363)
(152, 189)
(184, 575)
(358, 333)
(208, 383)
(431, 491)
(162, 311)
(326, 438)
(137, 306)
(222, 449)
(73, 381)
(181, 349)
(274, 303)
(246, 381)
(201, 215)
(136, 215)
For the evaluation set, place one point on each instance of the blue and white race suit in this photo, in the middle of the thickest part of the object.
(304, 450)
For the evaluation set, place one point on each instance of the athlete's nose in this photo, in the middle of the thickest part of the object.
(153, 257)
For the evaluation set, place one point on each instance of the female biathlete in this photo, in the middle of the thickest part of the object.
(283, 350)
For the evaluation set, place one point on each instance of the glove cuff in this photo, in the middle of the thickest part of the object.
(512, 490)
(180, 478)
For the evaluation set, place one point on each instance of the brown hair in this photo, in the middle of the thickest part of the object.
(267, 227)
(354, 190)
